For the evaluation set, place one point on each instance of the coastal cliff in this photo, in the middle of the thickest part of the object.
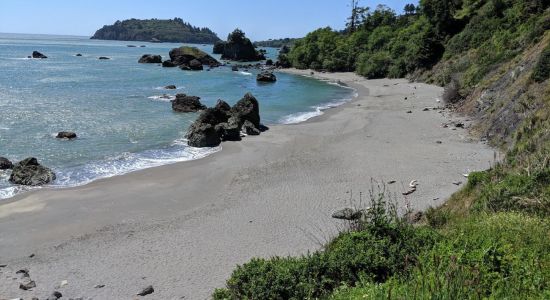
(174, 31)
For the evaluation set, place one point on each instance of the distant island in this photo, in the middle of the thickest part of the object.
(154, 30)
(276, 43)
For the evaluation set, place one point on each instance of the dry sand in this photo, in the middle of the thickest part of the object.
(184, 227)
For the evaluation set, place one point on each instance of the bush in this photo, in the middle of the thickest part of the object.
(503, 256)
(542, 68)
(375, 65)
(437, 218)
(382, 247)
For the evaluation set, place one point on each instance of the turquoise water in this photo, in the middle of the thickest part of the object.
(114, 105)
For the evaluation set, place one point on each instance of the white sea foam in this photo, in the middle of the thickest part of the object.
(117, 165)
(304, 116)
(162, 98)
(245, 73)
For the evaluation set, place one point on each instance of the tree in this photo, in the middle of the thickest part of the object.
(352, 25)
(410, 9)
(237, 36)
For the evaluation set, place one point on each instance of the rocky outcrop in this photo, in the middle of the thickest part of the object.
(224, 123)
(78, 54)
(250, 129)
(150, 59)
(238, 47)
(36, 54)
(266, 77)
(195, 65)
(247, 108)
(30, 172)
(66, 135)
(184, 103)
(168, 64)
(104, 57)
(191, 58)
(170, 87)
(5, 163)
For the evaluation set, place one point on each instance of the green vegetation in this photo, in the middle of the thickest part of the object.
(276, 43)
(175, 31)
(491, 240)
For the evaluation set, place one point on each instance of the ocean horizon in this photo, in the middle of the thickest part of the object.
(119, 108)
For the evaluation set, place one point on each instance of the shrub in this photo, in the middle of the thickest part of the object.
(542, 68)
(375, 65)
(382, 247)
(437, 217)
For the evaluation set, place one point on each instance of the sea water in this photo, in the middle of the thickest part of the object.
(115, 106)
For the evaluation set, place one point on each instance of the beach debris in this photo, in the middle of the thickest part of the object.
(457, 182)
(438, 142)
(55, 295)
(406, 98)
(409, 192)
(24, 273)
(69, 135)
(435, 199)
(32, 255)
(62, 284)
(459, 125)
(146, 291)
(3, 266)
(347, 213)
(466, 175)
(391, 182)
(27, 286)
(99, 286)
(412, 188)
(427, 109)
(409, 112)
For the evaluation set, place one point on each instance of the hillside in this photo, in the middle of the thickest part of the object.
(491, 239)
(276, 43)
(175, 31)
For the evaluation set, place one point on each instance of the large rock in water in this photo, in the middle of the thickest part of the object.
(203, 133)
(66, 135)
(247, 108)
(168, 64)
(183, 56)
(36, 54)
(195, 65)
(5, 163)
(150, 59)
(184, 103)
(224, 123)
(238, 47)
(266, 77)
(30, 172)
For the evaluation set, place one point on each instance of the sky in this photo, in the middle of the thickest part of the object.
(259, 19)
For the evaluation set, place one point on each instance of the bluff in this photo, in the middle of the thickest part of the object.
(175, 31)
(237, 47)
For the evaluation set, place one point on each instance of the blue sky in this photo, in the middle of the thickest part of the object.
(260, 19)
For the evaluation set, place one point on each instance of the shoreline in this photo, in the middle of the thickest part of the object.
(204, 152)
(185, 226)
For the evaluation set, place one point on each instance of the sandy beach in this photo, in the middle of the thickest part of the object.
(182, 228)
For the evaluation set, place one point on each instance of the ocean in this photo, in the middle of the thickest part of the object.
(115, 106)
